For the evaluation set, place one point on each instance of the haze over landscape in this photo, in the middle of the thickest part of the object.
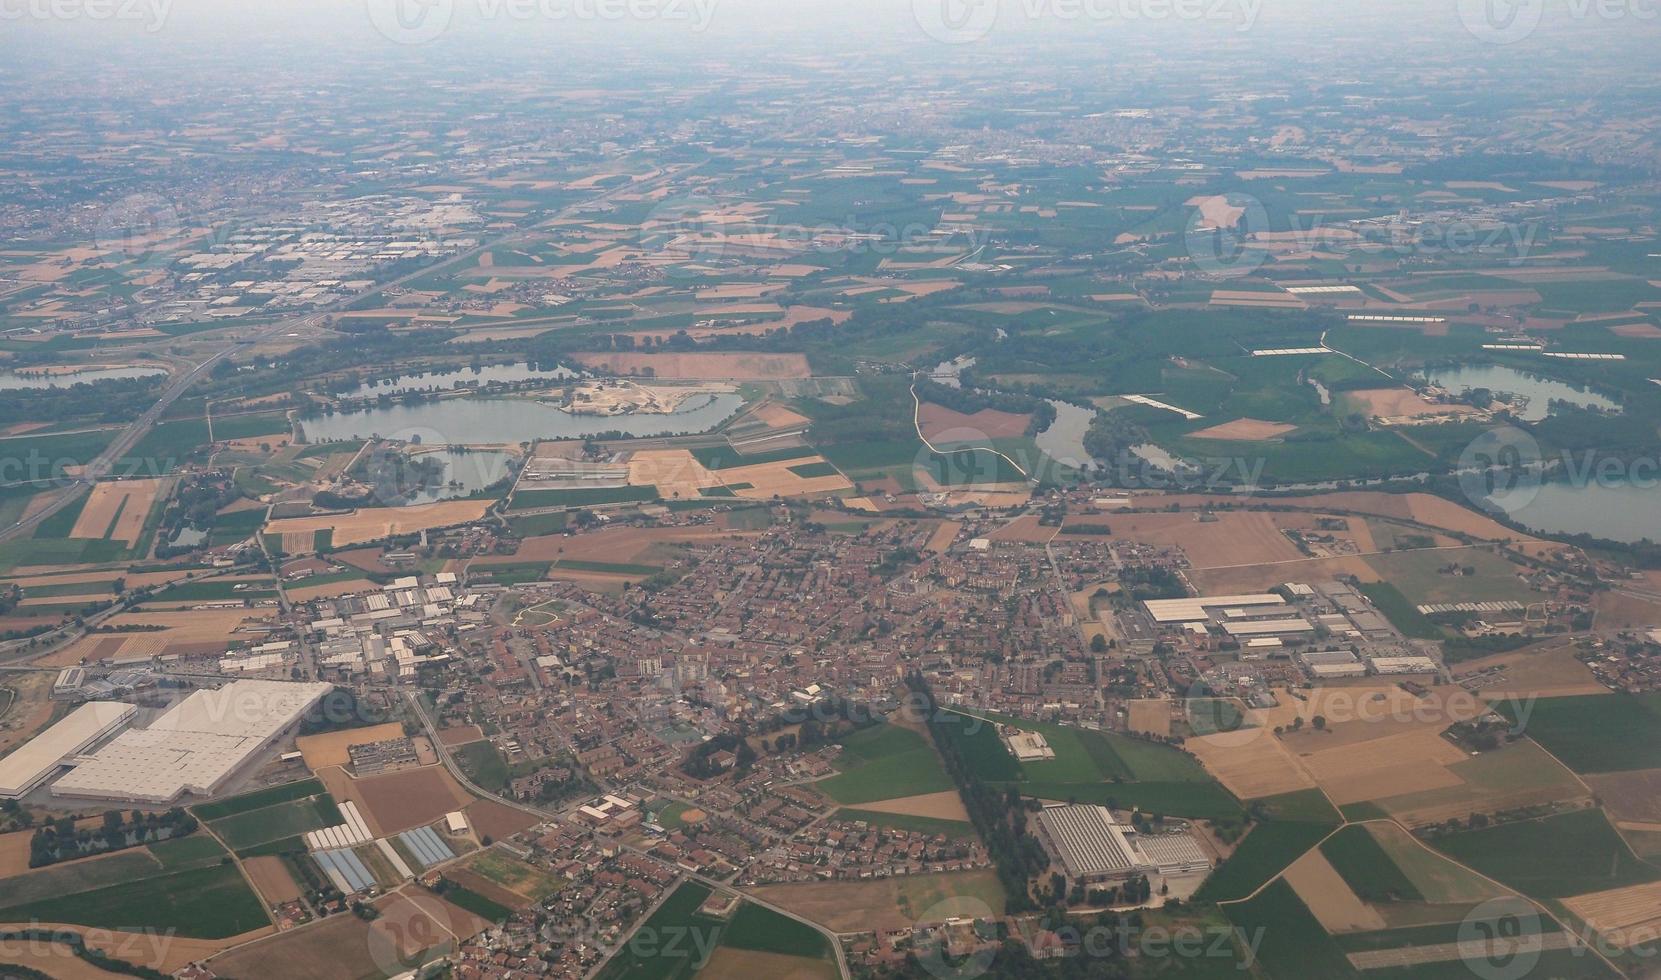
(731, 489)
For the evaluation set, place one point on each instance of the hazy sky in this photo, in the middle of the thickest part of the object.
(1259, 25)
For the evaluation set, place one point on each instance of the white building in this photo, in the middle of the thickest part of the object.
(196, 747)
(41, 756)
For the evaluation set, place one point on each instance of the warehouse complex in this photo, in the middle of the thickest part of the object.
(42, 756)
(1095, 849)
(196, 747)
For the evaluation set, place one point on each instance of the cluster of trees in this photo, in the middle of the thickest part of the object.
(968, 401)
(115, 400)
(196, 503)
(999, 815)
(701, 764)
(61, 840)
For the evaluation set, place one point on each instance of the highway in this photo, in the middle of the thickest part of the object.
(103, 466)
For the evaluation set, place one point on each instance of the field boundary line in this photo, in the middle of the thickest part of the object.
(917, 423)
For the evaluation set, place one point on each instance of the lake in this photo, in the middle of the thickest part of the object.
(505, 421)
(448, 380)
(12, 381)
(1063, 441)
(1625, 512)
(1539, 391)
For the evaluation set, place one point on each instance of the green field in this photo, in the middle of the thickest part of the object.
(472, 901)
(258, 799)
(726, 457)
(229, 427)
(533, 525)
(1198, 801)
(1402, 612)
(1300, 821)
(483, 764)
(808, 471)
(1556, 857)
(1096, 767)
(209, 902)
(884, 762)
(1596, 733)
(1361, 861)
(1293, 944)
(755, 928)
(211, 591)
(255, 827)
(957, 829)
(1420, 576)
(654, 956)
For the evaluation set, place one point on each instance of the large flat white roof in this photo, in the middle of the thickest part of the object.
(25, 768)
(195, 746)
(1269, 627)
(1190, 610)
(1089, 841)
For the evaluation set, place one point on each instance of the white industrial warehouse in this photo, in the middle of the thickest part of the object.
(196, 747)
(31, 764)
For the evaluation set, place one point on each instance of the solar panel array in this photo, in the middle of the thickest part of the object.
(345, 869)
(426, 846)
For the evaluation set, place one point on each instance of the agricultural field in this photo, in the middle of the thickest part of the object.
(302, 535)
(192, 893)
(1294, 824)
(885, 762)
(1568, 854)
(1594, 734)
(248, 830)
(846, 906)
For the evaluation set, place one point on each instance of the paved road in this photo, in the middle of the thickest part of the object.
(103, 465)
(541, 814)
